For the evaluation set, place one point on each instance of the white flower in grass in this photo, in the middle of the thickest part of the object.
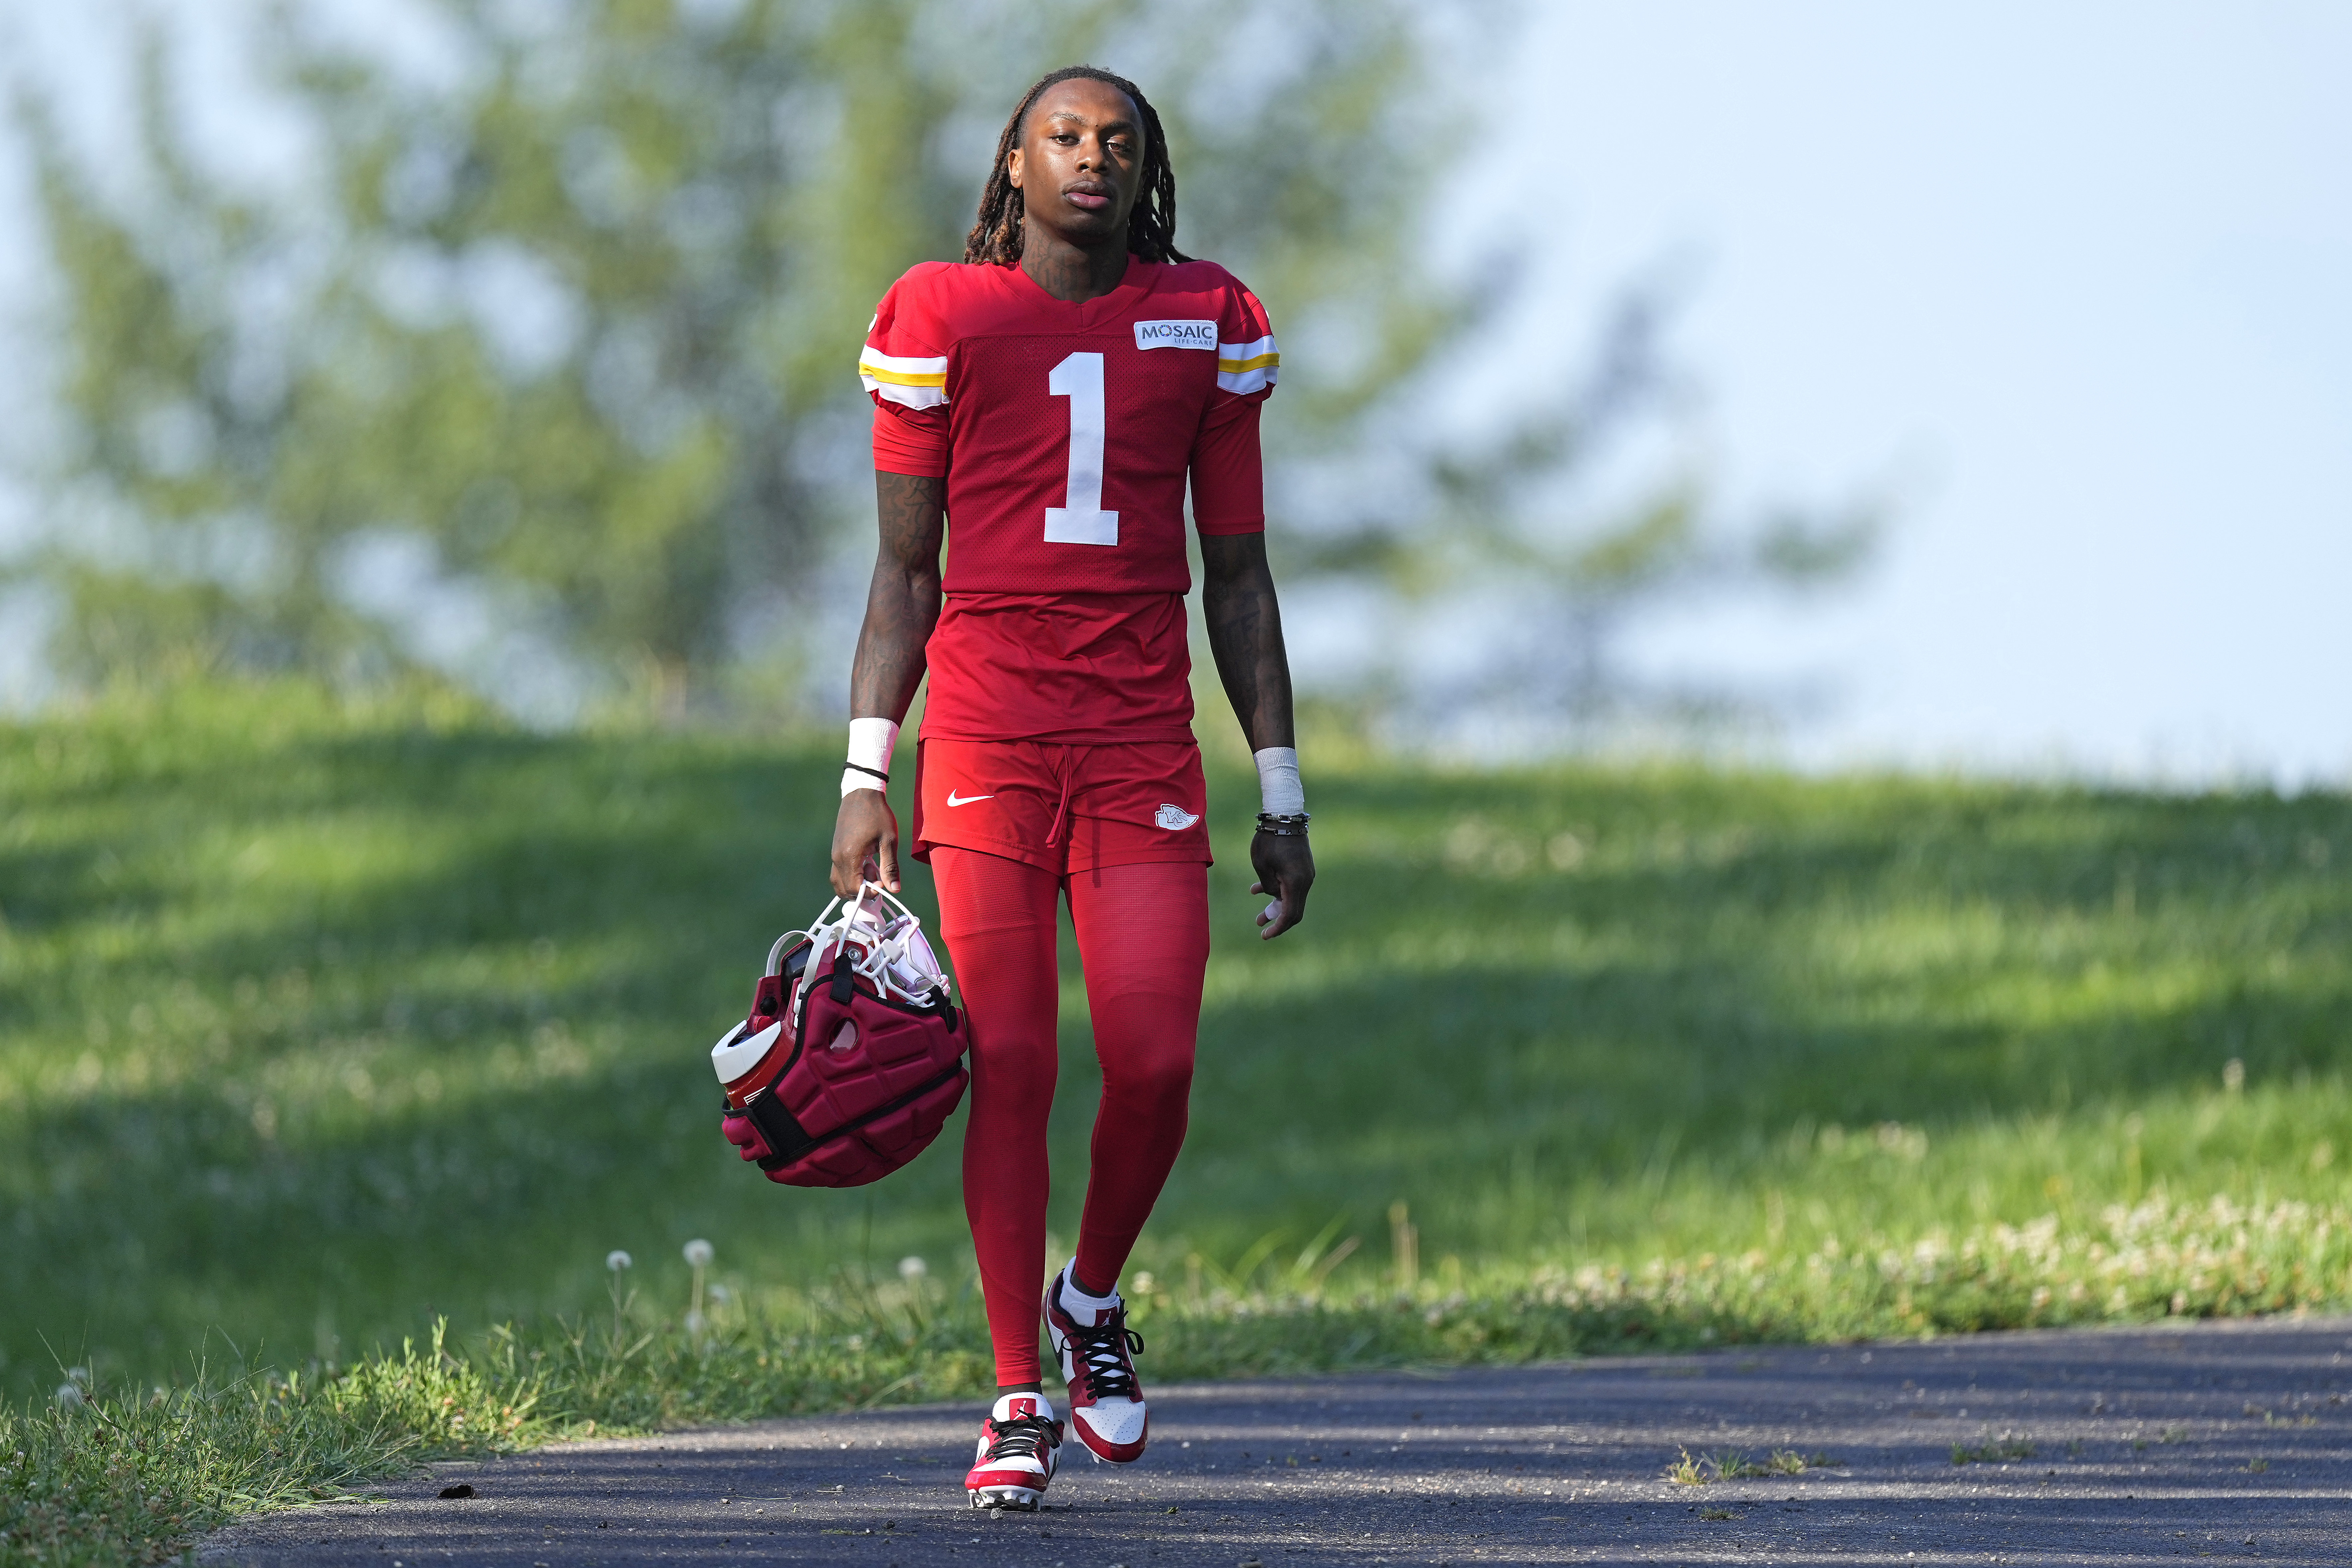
(698, 1252)
(722, 1295)
(912, 1269)
(70, 1396)
(694, 1322)
(79, 1375)
(617, 1261)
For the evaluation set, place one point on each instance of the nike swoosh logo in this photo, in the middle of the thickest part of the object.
(967, 800)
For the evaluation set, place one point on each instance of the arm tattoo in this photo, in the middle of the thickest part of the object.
(1245, 624)
(902, 604)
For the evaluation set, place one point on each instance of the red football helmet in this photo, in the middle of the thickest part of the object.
(853, 1055)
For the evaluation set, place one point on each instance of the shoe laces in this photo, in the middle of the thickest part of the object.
(1103, 1351)
(1025, 1436)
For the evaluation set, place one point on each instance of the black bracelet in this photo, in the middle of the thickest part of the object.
(861, 767)
(1283, 825)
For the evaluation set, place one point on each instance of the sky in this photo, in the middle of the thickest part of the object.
(2072, 284)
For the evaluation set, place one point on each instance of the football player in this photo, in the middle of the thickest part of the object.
(1039, 410)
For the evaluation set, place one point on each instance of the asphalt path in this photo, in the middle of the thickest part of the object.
(2210, 1440)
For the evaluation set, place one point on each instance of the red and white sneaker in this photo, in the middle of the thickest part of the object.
(1016, 1454)
(1106, 1408)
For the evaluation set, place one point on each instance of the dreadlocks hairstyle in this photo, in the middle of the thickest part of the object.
(995, 236)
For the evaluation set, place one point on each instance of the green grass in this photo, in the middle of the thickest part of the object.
(122, 1474)
(321, 1021)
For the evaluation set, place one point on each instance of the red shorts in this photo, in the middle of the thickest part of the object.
(1061, 808)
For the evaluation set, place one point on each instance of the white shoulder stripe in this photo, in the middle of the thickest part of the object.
(911, 381)
(906, 397)
(1248, 367)
(878, 360)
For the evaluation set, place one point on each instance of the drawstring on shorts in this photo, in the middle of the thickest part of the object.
(1066, 771)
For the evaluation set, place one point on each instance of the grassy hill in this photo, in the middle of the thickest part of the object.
(318, 1020)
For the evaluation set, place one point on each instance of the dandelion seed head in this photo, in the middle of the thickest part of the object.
(698, 1252)
(912, 1269)
(617, 1261)
(70, 1396)
(79, 1375)
(722, 1295)
(694, 1322)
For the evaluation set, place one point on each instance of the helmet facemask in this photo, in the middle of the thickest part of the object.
(885, 943)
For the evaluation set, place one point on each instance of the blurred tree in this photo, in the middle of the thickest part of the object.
(1547, 533)
(573, 321)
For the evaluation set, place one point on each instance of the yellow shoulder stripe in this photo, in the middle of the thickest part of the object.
(873, 371)
(1257, 362)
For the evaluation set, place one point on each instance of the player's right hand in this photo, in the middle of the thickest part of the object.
(864, 832)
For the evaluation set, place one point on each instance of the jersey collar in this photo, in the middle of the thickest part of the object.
(1133, 285)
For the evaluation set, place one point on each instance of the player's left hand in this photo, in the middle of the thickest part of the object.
(1285, 868)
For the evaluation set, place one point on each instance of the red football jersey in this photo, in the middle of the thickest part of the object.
(1066, 433)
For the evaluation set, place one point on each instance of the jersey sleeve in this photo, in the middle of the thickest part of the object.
(1246, 357)
(905, 372)
(1228, 465)
(1229, 471)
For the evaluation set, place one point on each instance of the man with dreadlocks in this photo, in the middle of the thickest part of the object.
(1045, 402)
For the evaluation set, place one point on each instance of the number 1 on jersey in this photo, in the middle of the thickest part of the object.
(1082, 521)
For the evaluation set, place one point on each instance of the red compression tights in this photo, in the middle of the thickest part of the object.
(1143, 936)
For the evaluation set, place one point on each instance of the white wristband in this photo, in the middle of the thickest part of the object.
(1279, 790)
(870, 743)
